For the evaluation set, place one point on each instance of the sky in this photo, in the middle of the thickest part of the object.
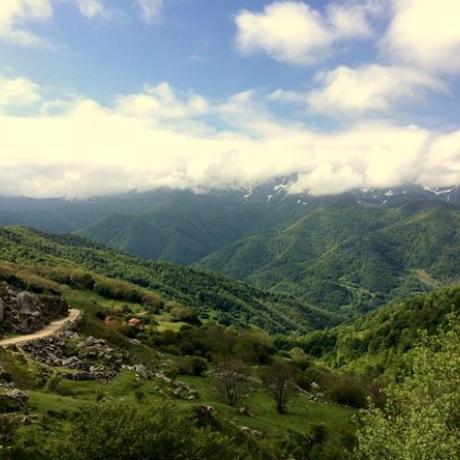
(100, 97)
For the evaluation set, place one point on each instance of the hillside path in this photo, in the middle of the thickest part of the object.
(52, 329)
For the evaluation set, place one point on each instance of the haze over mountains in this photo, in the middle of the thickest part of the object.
(349, 252)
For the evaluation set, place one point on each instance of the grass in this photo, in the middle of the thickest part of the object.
(82, 299)
(302, 413)
(169, 326)
(23, 372)
(46, 402)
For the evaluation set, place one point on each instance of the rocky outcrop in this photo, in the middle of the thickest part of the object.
(85, 358)
(23, 312)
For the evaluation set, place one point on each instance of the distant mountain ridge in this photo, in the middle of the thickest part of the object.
(264, 204)
(352, 251)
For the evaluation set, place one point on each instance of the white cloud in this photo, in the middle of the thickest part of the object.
(161, 102)
(15, 13)
(132, 144)
(91, 8)
(288, 96)
(287, 31)
(150, 9)
(348, 20)
(347, 91)
(293, 32)
(16, 92)
(442, 162)
(425, 33)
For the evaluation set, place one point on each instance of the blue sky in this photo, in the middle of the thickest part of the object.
(199, 94)
(190, 43)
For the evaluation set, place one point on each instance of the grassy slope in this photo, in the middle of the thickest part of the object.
(60, 402)
(215, 296)
(302, 414)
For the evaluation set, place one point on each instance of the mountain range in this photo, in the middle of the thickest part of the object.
(350, 252)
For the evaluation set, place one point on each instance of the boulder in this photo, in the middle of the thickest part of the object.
(94, 359)
(29, 304)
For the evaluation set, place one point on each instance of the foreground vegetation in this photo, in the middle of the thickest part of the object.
(70, 419)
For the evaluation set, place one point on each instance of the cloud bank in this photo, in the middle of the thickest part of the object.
(162, 137)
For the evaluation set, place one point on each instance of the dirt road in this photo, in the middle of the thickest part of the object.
(52, 329)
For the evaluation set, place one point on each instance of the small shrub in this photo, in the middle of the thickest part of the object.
(348, 391)
(192, 365)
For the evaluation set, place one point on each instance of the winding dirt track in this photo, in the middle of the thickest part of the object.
(52, 329)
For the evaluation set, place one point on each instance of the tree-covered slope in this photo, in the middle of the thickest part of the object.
(183, 232)
(214, 296)
(343, 255)
(376, 342)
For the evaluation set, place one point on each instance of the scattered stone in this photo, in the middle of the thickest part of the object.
(87, 358)
(249, 431)
(179, 390)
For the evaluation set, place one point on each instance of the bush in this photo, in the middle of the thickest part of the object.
(127, 431)
(348, 391)
(192, 365)
(300, 358)
(8, 426)
(180, 313)
(139, 395)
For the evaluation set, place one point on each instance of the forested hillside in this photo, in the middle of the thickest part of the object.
(377, 342)
(214, 296)
(349, 257)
